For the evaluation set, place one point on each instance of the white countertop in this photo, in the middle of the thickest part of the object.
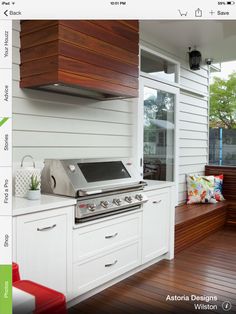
(23, 302)
(154, 185)
(23, 206)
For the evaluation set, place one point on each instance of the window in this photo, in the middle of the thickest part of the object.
(158, 68)
(157, 117)
(159, 102)
(222, 133)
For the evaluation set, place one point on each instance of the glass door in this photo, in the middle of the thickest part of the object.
(159, 131)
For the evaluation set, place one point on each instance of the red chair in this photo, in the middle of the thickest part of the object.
(47, 301)
(15, 272)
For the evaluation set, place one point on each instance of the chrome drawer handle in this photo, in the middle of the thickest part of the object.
(156, 202)
(112, 264)
(46, 228)
(111, 236)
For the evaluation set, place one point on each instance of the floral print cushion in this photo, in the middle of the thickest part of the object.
(200, 189)
(218, 188)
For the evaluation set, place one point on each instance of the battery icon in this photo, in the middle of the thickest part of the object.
(230, 2)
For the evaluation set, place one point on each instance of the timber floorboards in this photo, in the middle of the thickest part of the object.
(206, 268)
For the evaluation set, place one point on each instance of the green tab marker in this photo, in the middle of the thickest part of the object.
(6, 289)
(3, 121)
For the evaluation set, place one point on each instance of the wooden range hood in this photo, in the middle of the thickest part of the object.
(96, 59)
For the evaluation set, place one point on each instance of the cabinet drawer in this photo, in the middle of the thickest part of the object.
(91, 274)
(91, 240)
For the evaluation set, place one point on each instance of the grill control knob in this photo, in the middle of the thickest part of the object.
(104, 204)
(91, 207)
(139, 197)
(128, 199)
(117, 201)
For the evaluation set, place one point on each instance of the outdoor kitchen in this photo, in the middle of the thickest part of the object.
(110, 119)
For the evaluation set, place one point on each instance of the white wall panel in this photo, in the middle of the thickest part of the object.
(194, 109)
(30, 122)
(193, 128)
(195, 101)
(193, 85)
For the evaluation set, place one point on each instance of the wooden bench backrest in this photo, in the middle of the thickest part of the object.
(229, 182)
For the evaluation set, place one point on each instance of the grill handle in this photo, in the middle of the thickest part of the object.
(87, 193)
(138, 186)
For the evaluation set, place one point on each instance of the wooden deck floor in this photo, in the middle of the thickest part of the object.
(207, 268)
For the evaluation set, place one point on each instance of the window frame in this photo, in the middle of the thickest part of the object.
(171, 87)
(159, 55)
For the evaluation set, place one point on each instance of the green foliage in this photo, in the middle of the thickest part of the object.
(157, 106)
(34, 183)
(223, 102)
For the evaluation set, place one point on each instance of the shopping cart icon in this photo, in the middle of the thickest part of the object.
(183, 13)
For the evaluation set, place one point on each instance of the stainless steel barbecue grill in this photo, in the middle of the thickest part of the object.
(102, 187)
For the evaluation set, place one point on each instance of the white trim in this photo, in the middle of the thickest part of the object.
(173, 87)
(156, 79)
(158, 54)
(174, 90)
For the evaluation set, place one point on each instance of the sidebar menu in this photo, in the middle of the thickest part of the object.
(5, 166)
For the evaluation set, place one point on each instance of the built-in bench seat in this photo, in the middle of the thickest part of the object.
(195, 222)
(229, 189)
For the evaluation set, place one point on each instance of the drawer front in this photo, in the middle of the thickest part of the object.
(91, 274)
(103, 236)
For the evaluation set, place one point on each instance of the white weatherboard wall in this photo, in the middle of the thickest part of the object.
(193, 115)
(50, 125)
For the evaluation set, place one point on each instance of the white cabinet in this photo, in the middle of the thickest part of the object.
(105, 250)
(43, 247)
(156, 225)
(79, 259)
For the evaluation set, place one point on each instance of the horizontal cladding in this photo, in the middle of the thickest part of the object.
(193, 100)
(69, 125)
(65, 110)
(81, 53)
(49, 125)
(193, 126)
(200, 111)
(193, 135)
(58, 139)
(40, 153)
(195, 80)
(184, 161)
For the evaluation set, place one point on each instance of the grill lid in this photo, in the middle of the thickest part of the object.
(84, 177)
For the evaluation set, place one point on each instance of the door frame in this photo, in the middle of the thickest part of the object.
(143, 81)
